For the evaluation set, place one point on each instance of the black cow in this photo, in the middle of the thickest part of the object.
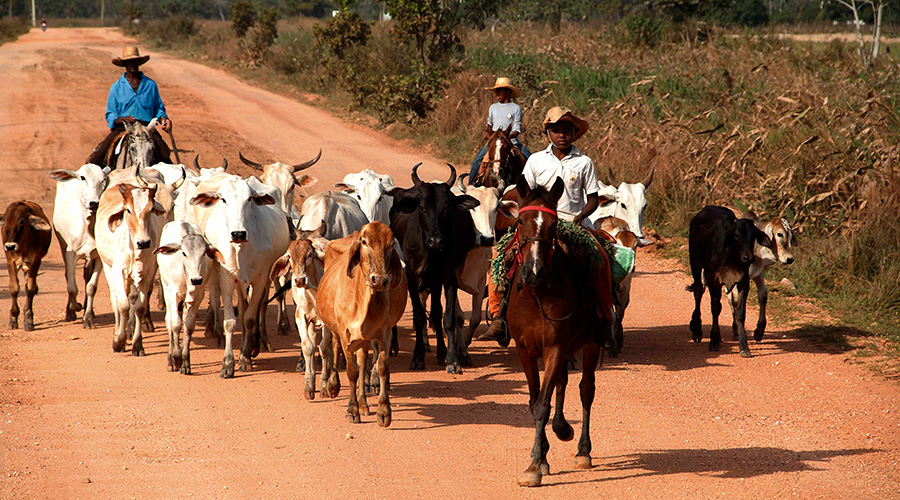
(721, 251)
(436, 232)
(26, 235)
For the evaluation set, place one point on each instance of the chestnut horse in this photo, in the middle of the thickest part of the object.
(550, 317)
(502, 162)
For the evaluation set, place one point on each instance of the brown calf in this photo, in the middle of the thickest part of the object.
(362, 295)
(26, 237)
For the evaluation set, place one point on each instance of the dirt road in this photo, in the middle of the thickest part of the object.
(672, 420)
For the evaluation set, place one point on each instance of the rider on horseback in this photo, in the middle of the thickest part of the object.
(132, 98)
(579, 199)
(502, 114)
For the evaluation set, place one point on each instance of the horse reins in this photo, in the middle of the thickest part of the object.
(519, 259)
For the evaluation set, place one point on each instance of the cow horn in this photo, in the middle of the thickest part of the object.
(301, 166)
(249, 163)
(613, 181)
(452, 179)
(461, 183)
(137, 176)
(180, 181)
(647, 182)
(415, 176)
(197, 163)
(224, 163)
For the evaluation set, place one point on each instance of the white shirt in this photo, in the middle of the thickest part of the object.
(502, 115)
(575, 169)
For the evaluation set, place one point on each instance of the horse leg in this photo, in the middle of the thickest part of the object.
(560, 426)
(587, 387)
(419, 322)
(553, 364)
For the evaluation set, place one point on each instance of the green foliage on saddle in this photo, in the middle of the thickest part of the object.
(569, 236)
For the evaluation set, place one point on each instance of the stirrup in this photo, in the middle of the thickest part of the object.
(497, 331)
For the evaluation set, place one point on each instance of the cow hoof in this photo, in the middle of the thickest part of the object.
(88, 323)
(758, 336)
(13, 324)
(582, 462)
(353, 419)
(332, 391)
(530, 479)
(714, 347)
(454, 369)
(383, 420)
(697, 338)
(417, 365)
(301, 364)
(465, 360)
(227, 372)
(393, 352)
(170, 366)
(118, 346)
(246, 366)
(29, 326)
(310, 394)
(185, 369)
(613, 352)
(746, 354)
(137, 351)
(70, 316)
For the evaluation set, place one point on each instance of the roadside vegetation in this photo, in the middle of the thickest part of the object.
(724, 112)
(12, 28)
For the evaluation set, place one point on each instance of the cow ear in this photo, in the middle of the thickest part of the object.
(63, 175)
(214, 254)
(466, 202)
(794, 240)
(353, 253)
(166, 250)
(319, 245)
(306, 180)
(263, 199)
(395, 269)
(280, 267)
(406, 203)
(39, 223)
(206, 199)
(763, 239)
(115, 220)
(509, 209)
(557, 190)
(344, 187)
(158, 209)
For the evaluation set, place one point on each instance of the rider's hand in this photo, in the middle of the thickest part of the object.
(166, 124)
(485, 135)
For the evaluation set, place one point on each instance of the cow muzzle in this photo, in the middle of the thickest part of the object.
(378, 282)
(435, 243)
(11, 247)
(238, 236)
(300, 281)
(143, 244)
(196, 281)
(93, 206)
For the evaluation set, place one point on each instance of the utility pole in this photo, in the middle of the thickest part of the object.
(102, 11)
(33, 17)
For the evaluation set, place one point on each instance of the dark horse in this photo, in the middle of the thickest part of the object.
(502, 162)
(134, 144)
(550, 316)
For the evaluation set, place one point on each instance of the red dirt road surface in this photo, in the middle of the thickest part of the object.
(671, 420)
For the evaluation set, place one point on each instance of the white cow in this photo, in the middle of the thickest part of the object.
(629, 203)
(251, 233)
(305, 259)
(373, 193)
(186, 262)
(77, 199)
(472, 275)
(281, 176)
(129, 221)
(340, 212)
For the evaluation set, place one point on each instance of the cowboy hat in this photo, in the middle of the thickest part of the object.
(564, 114)
(504, 83)
(130, 55)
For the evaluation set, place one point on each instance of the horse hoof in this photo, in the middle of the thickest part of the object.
(530, 479)
(454, 369)
(746, 354)
(503, 343)
(227, 372)
(70, 316)
(417, 365)
(758, 336)
(29, 327)
(582, 462)
(353, 419)
(545, 468)
(185, 369)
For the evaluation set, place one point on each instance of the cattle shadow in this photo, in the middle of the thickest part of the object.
(727, 463)
(830, 339)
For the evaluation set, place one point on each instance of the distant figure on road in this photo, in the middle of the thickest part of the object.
(133, 98)
(43, 24)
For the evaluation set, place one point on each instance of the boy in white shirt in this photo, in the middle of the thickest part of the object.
(502, 114)
(579, 199)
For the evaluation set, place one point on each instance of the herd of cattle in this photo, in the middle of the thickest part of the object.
(351, 258)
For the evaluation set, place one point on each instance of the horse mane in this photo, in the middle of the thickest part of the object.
(538, 193)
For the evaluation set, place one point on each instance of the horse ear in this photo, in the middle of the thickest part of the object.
(152, 125)
(522, 186)
(557, 190)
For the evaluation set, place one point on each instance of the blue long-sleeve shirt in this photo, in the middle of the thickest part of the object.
(144, 105)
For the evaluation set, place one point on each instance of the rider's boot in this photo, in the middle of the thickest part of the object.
(497, 331)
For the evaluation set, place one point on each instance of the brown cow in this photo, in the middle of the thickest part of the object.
(26, 237)
(362, 295)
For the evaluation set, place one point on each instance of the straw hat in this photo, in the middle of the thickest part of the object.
(504, 83)
(130, 54)
(563, 114)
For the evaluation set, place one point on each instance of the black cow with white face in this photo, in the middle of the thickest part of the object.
(436, 232)
(721, 251)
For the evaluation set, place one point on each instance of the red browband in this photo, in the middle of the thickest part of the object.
(536, 208)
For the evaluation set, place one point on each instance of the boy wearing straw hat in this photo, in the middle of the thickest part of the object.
(579, 199)
(502, 114)
(133, 98)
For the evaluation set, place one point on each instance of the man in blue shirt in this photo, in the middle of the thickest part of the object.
(133, 98)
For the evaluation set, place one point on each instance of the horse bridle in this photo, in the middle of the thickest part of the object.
(520, 260)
